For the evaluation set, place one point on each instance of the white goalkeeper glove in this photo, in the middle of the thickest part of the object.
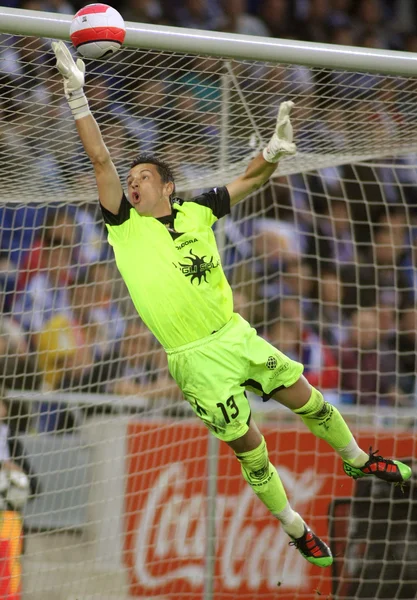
(281, 143)
(73, 74)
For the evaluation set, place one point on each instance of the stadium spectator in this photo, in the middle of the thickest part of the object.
(104, 95)
(17, 361)
(138, 368)
(407, 353)
(277, 248)
(340, 14)
(142, 369)
(201, 77)
(313, 130)
(370, 20)
(394, 217)
(9, 108)
(330, 241)
(377, 279)
(72, 343)
(320, 364)
(59, 228)
(403, 18)
(195, 116)
(190, 167)
(46, 292)
(368, 366)
(73, 346)
(276, 16)
(286, 333)
(30, 52)
(342, 35)
(327, 315)
(409, 264)
(94, 308)
(199, 14)
(8, 277)
(315, 26)
(297, 281)
(73, 227)
(63, 352)
(410, 42)
(145, 117)
(76, 346)
(241, 304)
(238, 20)
(63, 7)
(143, 11)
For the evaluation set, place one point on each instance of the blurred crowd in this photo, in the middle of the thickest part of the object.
(324, 265)
(64, 323)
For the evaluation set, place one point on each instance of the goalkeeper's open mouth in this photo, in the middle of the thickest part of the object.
(135, 197)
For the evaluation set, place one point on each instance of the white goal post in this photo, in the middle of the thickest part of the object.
(213, 43)
(135, 499)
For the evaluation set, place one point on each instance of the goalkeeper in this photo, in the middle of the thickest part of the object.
(166, 252)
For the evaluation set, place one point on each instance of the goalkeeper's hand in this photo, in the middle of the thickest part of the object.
(281, 143)
(73, 75)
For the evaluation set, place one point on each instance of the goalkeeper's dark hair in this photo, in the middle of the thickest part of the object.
(162, 167)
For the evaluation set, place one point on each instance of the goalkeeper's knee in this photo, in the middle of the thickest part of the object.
(256, 468)
(263, 478)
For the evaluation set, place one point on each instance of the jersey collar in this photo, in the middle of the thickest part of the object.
(169, 219)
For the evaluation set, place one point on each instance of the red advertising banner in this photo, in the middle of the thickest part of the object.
(165, 516)
(10, 551)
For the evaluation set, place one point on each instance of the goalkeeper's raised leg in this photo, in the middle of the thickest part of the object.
(325, 421)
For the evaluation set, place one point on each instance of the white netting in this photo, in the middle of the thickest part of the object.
(322, 262)
(205, 115)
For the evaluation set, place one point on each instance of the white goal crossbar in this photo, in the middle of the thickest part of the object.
(213, 43)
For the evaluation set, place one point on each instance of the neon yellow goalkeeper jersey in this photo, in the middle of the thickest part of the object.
(171, 267)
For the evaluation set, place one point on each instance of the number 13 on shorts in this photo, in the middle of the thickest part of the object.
(227, 420)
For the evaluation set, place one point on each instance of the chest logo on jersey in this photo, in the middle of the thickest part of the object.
(198, 267)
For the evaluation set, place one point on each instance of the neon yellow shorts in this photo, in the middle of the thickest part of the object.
(213, 374)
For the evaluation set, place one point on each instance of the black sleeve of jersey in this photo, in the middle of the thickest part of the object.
(217, 199)
(122, 216)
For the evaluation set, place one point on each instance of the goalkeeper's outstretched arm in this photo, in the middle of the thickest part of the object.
(109, 187)
(264, 164)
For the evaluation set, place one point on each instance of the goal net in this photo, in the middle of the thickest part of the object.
(130, 498)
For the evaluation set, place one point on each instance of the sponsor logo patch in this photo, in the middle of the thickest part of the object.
(271, 363)
(198, 267)
(186, 243)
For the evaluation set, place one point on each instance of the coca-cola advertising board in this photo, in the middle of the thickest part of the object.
(10, 552)
(165, 518)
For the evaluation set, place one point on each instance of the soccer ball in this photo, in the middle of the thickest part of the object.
(97, 30)
(14, 489)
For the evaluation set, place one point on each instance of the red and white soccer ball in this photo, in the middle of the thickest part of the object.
(97, 30)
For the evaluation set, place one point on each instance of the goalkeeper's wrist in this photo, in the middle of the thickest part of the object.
(270, 156)
(277, 148)
(78, 104)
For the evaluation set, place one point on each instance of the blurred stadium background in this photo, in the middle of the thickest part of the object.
(323, 263)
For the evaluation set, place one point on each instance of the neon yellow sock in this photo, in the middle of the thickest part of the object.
(263, 478)
(326, 422)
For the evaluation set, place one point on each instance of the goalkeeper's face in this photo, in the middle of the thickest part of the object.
(147, 193)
